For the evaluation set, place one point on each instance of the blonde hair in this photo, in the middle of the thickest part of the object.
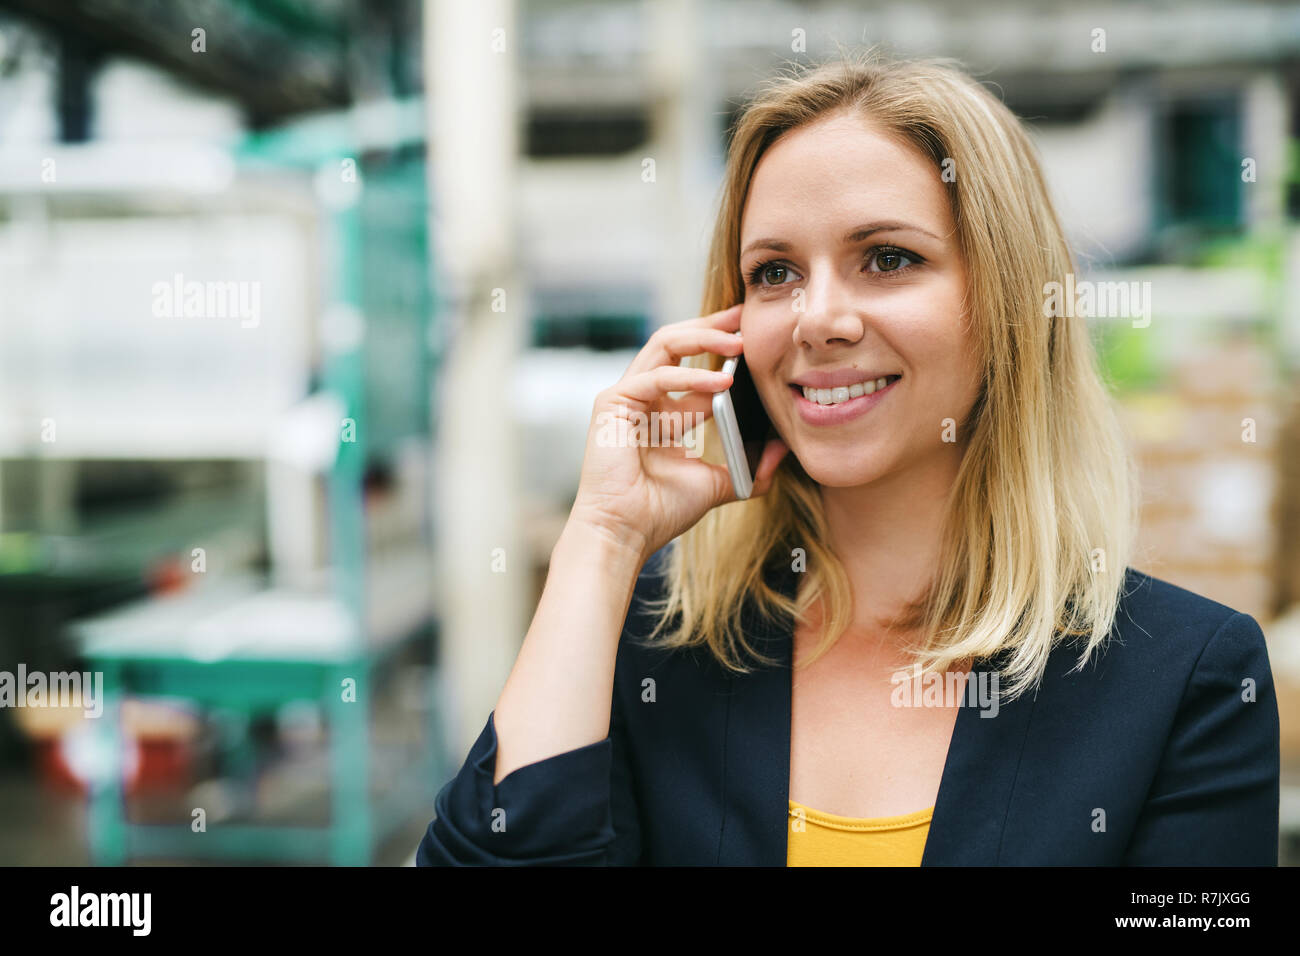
(1040, 521)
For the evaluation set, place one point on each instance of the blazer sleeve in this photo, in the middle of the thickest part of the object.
(575, 808)
(1214, 799)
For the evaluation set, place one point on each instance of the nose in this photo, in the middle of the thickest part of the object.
(828, 318)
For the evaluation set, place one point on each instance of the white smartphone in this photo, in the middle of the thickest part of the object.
(743, 425)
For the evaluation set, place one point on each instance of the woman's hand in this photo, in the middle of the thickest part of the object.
(646, 496)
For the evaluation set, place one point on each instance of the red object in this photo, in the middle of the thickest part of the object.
(166, 576)
(164, 765)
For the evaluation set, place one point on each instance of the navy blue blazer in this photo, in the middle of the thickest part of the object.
(1156, 734)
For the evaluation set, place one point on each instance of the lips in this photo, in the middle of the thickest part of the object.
(842, 378)
(812, 413)
(834, 396)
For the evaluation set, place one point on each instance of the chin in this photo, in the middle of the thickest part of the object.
(832, 471)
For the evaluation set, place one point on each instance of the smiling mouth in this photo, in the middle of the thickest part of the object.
(837, 396)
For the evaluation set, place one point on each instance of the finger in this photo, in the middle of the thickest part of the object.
(715, 479)
(652, 386)
(693, 404)
(725, 320)
(672, 419)
(670, 344)
(728, 318)
(663, 429)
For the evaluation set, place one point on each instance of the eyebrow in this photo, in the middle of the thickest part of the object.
(856, 234)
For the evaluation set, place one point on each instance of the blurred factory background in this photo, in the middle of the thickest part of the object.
(299, 518)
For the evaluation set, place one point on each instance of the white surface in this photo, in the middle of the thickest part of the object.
(234, 619)
(81, 347)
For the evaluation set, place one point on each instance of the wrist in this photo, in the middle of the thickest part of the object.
(607, 541)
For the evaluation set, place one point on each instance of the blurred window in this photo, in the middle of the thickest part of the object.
(1200, 148)
(595, 318)
(584, 133)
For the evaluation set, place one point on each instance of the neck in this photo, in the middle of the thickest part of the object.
(888, 533)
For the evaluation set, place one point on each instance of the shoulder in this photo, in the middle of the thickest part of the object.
(1159, 620)
(649, 589)
(1167, 648)
(641, 656)
(645, 610)
(1151, 599)
(1201, 684)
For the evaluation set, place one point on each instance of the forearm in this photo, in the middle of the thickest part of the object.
(557, 697)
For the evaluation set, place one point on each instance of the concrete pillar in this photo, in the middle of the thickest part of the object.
(472, 55)
(686, 148)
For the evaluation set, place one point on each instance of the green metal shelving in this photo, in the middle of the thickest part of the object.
(377, 274)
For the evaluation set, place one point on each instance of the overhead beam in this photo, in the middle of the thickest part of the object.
(276, 59)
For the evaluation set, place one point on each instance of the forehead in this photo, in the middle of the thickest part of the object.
(839, 168)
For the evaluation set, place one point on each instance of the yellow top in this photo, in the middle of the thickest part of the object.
(824, 839)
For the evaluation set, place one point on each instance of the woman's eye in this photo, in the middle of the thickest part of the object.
(768, 274)
(890, 260)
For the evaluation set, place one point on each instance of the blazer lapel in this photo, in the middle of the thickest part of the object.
(979, 774)
(974, 792)
(756, 754)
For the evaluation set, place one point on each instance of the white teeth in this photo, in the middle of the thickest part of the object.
(833, 396)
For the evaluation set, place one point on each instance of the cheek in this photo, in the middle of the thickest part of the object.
(968, 371)
(765, 345)
(965, 380)
(944, 363)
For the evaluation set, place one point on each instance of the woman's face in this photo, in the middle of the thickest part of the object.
(852, 272)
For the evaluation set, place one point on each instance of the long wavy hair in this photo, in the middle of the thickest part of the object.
(1041, 519)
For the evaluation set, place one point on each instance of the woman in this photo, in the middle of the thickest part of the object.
(939, 542)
